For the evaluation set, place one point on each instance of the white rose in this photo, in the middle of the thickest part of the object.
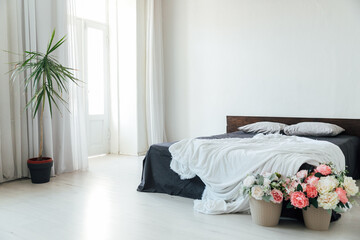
(257, 192)
(249, 181)
(328, 200)
(350, 186)
(267, 182)
(327, 184)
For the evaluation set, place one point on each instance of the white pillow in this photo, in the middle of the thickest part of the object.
(263, 127)
(317, 129)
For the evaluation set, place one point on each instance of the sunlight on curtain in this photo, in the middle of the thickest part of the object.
(13, 127)
(94, 10)
(155, 116)
(77, 104)
(123, 77)
(136, 76)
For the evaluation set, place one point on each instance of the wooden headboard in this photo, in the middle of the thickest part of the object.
(351, 126)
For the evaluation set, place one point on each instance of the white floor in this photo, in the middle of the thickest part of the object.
(103, 204)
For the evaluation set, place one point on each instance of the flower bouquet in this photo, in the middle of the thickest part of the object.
(318, 193)
(265, 191)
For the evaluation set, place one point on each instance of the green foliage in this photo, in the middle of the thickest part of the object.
(314, 202)
(260, 180)
(267, 198)
(47, 76)
(318, 174)
(341, 177)
(299, 188)
(246, 191)
(339, 209)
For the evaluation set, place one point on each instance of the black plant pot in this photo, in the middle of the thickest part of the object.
(40, 170)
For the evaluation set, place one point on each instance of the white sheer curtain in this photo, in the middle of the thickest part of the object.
(136, 75)
(77, 105)
(28, 25)
(155, 119)
(13, 126)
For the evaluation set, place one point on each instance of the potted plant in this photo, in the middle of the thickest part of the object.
(265, 192)
(320, 192)
(48, 79)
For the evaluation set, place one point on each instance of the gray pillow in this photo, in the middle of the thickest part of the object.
(263, 127)
(317, 129)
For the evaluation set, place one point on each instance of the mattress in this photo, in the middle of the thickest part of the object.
(158, 177)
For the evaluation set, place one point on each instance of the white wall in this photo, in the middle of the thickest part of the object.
(259, 57)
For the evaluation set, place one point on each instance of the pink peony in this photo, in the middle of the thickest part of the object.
(342, 195)
(277, 195)
(312, 180)
(302, 174)
(323, 169)
(299, 200)
(311, 191)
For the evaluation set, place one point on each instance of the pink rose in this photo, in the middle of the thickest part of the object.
(342, 195)
(299, 200)
(312, 180)
(302, 174)
(311, 191)
(303, 185)
(277, 195)
(323, 169)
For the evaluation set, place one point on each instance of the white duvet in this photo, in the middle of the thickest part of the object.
(223, 163)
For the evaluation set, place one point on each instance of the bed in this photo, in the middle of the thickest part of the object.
(158, 177)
